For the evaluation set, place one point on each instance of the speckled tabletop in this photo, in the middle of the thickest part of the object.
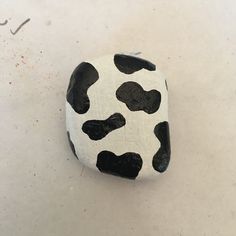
(45, 191)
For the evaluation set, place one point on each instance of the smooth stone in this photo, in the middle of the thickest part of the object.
(117, 116)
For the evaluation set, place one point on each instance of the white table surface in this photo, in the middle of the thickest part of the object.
(45, 191)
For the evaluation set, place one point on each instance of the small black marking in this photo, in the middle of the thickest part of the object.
(166, 85)
(98, 129)
(81, 79)
(161, 159)
(20, 26)
(127, 165)
(130, 64)
(71, 144)
(4, 23)
(136, 98)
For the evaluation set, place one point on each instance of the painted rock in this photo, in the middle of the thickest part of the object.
(117, 116)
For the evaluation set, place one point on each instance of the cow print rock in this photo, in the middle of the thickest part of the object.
(117, 115)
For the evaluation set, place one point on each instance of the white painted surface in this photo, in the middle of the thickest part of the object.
(45, 191)
(138, 133)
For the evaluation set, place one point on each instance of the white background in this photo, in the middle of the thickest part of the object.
(45, 191)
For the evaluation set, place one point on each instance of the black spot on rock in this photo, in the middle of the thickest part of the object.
(136, 99)
(161, 159)
(81, 79)
(127, 165)
(130, 64)
(71, 144)
(98, 129)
